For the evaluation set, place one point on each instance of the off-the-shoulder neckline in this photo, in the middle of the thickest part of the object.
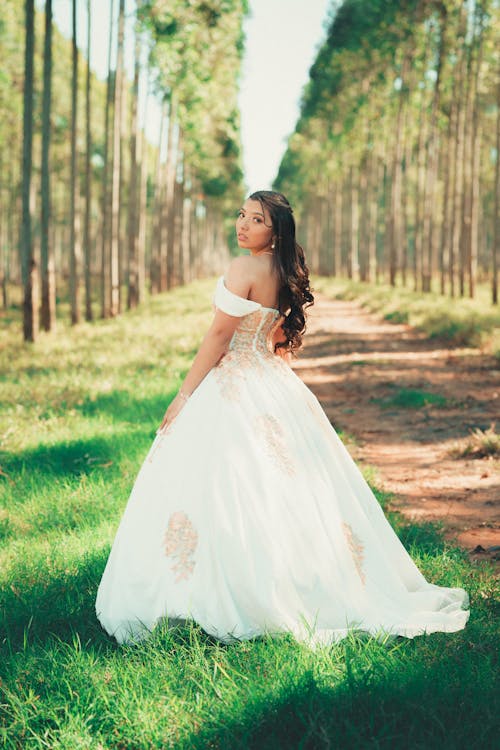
(275, 309)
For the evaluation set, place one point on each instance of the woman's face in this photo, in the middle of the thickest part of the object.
(254, 226)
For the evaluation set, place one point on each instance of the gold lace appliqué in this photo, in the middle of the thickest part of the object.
(357, 549)
(180, 542)
(232, 370)
(250, 343)
(274, 439)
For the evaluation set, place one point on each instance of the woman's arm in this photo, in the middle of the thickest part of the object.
(212, 348)
(215, 342)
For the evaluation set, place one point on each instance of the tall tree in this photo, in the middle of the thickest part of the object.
(420, 163)
(30, 306)
(48, 306)
(75, 248)
(87, 250)
(496, 211)
(115, 179)
(106, 188)
(134, 187)
(170, 174)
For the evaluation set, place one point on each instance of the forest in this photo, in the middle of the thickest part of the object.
(394, 161)
(91, 213)
(393, 164)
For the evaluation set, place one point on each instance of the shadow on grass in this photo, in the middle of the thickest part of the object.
(62, 604)
(440, 691)
(74, 457)
(63, 601)
(420, 705)
(124, 407)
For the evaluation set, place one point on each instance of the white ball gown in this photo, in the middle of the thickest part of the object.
(249, 516)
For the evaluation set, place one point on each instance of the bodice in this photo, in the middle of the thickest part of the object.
(255, 331)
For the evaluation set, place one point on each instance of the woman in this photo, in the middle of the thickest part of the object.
(248, 514)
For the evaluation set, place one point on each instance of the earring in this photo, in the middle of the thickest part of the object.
(272, 245)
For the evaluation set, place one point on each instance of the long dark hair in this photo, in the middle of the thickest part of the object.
(289, 262)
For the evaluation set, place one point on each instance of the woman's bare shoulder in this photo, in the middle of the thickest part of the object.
(239, 275)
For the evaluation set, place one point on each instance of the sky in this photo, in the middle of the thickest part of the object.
(282, 38)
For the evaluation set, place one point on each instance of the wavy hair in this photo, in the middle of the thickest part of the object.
(288, 260)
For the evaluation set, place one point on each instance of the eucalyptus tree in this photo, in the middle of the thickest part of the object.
(114, 259)
(75, 246)
(397, 117)
(88, 177)
(106, 192)
(197, 53)
(134, 206)
(72, 137)
(29, 278)
(48, 300)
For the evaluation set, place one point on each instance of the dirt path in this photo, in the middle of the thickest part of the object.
(356, 363)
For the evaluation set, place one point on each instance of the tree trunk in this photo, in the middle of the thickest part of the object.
(30, 308)
(364, 265)
(105, 197)
(157, 238)
(465, 234)
(170, 170)
(4, 253)
(133, 203)
(179, 213)
(143, 217)
(394, 233)
(337, 228)
(475, 136)
(428, 233)
(87, 253)
(405, 204)
(459, 156)
(186, 244)
(142, 157)
(114, 267)
(496, 211)
(420, 193)
(353, 261)
(75, 250)
(48, 302)
(445, 255)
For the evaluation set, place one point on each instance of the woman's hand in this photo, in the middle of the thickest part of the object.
(171, 413)
(222, 356)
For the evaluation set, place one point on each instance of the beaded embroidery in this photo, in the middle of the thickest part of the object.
(274, 439)
(180, 542)
(247, 351)
(357, 549)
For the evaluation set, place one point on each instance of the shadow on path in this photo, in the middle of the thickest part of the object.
(408, 400)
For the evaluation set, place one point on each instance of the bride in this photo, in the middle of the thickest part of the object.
(248, 515)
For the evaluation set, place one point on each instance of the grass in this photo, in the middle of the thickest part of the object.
(455, 321)
(479, 444)
(412, 398)
(78, 413)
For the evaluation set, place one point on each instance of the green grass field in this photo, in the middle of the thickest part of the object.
(78, 413)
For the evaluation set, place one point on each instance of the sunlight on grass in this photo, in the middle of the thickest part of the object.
(78, 413)
(410, 398)
(479, 444)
